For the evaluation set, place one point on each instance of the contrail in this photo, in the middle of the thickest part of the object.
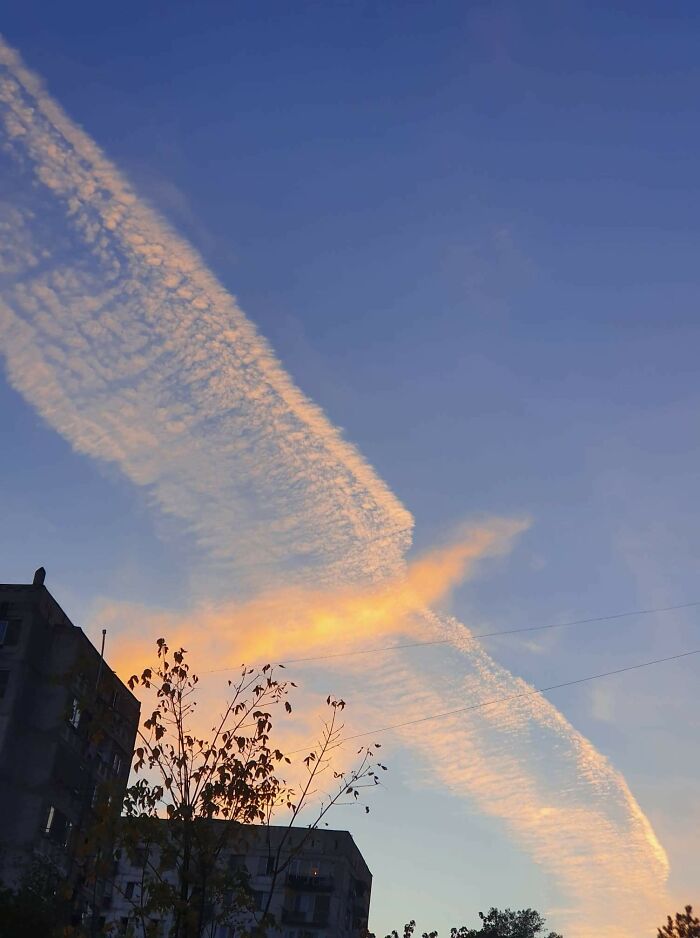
(116, 332)
(137, 355)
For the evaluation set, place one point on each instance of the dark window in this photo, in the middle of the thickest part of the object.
(258, 899)
(4, 678)
(10, 631)
(58, 827)
(322, 907)
(14, 629)
(129, 891)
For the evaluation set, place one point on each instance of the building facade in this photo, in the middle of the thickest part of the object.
(67, 731)
(314, 883)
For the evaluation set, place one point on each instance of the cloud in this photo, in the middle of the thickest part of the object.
(161, 373)
(566, 801)
(112, 327)
(294, 621)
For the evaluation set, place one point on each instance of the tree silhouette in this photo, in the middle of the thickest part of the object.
(495, 924)
(210, 787)
(507, 924)
(685, 925)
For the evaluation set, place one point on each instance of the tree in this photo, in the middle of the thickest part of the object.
(35, 907)
(495, 924)
(507, 924)
(209, 787)
(685, 925)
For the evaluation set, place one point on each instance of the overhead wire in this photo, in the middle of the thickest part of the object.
(501, 700)
(478, 635)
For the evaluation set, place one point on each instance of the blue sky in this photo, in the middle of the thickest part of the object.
(469, 233)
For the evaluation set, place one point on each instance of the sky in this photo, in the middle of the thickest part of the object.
(329, 326)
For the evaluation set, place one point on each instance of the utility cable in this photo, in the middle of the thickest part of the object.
(501, 700)
(478, 635)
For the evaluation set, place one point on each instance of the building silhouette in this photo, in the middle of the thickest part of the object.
(317, 881)
(67, 731)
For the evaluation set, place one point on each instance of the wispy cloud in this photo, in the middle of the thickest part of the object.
(138, 356)
(116, 332)
(292, 621)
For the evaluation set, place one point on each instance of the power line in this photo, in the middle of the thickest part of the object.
(479, 635)
(510, 697)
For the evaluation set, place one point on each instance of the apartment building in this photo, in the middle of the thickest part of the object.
(315, 884)
(67, 731)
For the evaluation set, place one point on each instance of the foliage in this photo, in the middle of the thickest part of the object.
(495, 924)
(208, 787)
(507, 924)
(34, 907)
(685, 925)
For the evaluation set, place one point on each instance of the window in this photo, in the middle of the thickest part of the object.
(9, 631)
(74, 718)
(302, 904)
(116, 763)
(58, 827)
(322, 907)
(266, 866)
(259, 899)
(4, 678)
(237, 864)
(129, 891)
(302, 866)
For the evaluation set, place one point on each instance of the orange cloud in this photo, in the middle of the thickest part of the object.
(293, 621)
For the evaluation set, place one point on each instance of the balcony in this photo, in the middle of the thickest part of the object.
(290, 917)
(309, 883)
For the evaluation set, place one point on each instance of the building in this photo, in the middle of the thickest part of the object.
(317, 883)
(67, 731)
